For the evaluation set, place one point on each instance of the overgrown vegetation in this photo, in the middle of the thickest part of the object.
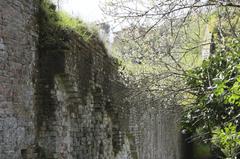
(215, 113)
(216, 87)
(51, 21)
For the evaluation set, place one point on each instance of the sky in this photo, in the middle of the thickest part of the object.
(88, 10)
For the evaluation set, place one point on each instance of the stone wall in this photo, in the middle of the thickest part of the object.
(72, 95)
(17, 50)
(150, 125)
(53, 99)
(63, 99)
(156, 132)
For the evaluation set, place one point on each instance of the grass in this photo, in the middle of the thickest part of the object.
(66, 21)
(50, 20)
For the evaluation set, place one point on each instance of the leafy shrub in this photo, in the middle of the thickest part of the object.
(227, 139)
(216, 86)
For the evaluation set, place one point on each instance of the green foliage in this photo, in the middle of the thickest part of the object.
(50, 21)
(216, 86)
(227, 139)
(66, 21)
